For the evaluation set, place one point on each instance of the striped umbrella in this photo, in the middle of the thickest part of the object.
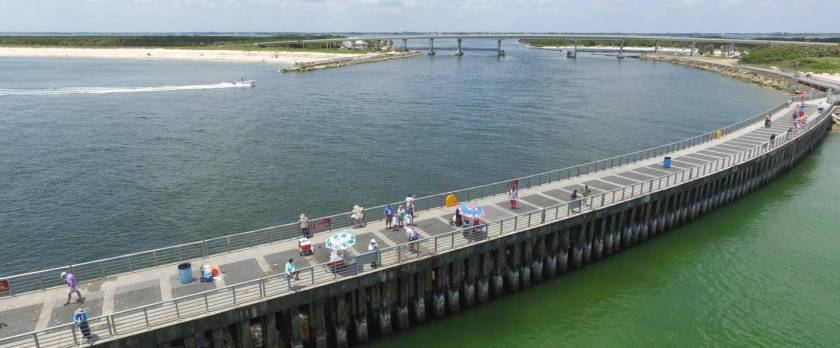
(469, 210)
(340, 241)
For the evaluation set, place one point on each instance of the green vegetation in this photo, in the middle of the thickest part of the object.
(628, 42)
(163, 41)
(799, 58)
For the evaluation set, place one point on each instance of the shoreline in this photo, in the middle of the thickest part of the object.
(226, 56)
(727, 69)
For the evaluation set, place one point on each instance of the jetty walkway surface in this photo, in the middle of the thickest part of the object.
(150, 297)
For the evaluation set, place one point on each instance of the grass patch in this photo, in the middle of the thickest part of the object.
(239, 43)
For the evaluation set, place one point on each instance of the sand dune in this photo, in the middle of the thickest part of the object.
(278, 57)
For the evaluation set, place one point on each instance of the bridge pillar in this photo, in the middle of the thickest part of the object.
(295, 334)
(460, 52)
(693, 48)
(405, 45)
(656, 47)
(431, 46)
(621, 50)
(403, 290)
(513, 268)
(244, 334)
(440, 287)
(499, 52)
(499, 264)
(563, 253)
(469, 280)
(525, 267)
(218, 337)
(319, 324)
(485, 264)
(421, 280)
(340, 321)
(453, 294)
(572, 53)
(360, 322)
(551, 245)
(386, 299)
(539, 260)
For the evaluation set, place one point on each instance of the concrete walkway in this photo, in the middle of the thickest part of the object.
(40, 310)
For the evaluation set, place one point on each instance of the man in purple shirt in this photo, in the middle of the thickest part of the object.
(70, 280)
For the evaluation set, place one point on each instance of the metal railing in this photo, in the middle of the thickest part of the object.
(236, 295)
(102, 268)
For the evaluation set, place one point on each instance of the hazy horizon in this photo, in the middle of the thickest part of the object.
(369, 16)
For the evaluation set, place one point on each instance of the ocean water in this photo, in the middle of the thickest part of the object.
(104, 157)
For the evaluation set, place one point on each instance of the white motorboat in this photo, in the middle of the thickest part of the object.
(245, 83)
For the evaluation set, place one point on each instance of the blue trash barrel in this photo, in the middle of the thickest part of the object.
(667, 162)
(185, 273)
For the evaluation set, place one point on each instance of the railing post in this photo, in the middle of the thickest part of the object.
(204, 247)
(206, 303)
(178, 310)
(110, 321)
(75, 338)
(399, 254)
(146, 315)
(436, 247)
(515, 222)
(311, 276)
(35, 339)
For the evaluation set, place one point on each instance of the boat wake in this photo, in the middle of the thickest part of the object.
(109, 90)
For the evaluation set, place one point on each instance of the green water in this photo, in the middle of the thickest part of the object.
(762, 271)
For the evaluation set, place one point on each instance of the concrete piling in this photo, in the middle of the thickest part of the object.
(360, 322)
(341, 340)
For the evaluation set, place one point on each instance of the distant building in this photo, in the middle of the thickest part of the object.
(354, 45)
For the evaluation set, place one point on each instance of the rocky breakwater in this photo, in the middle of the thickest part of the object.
(741, 73)
(340, 62)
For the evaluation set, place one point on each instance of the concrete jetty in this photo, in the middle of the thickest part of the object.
(137, 301)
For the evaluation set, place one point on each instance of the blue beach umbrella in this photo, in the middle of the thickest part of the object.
(470, 210)
(340, 241)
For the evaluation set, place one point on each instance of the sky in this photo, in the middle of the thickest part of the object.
(640, 16)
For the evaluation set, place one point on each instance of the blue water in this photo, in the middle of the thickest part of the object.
(86, 176)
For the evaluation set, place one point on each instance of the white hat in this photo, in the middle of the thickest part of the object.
(372, 241)
(63, 274)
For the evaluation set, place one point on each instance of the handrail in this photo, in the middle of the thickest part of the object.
(132, 262)
(252, 291)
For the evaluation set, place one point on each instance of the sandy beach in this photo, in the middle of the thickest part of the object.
(277, 57)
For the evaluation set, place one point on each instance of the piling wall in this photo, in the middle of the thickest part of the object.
(396, 298)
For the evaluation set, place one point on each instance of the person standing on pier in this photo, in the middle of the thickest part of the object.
(767, 121)
(304, 226)
(513, 195)
(389, 215)
(400, 216)
(409, 204)
(71, 282)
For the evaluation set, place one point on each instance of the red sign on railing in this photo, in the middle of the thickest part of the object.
(323, 224)
(4, 285)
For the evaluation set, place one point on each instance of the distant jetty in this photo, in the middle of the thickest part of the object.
(340, 62)
(776, 81)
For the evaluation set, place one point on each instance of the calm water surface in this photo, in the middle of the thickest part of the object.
(88, 176)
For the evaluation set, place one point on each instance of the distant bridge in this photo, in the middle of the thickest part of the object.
(500, 37)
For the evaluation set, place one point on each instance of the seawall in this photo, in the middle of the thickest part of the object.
(761, 78)
(399, 297)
